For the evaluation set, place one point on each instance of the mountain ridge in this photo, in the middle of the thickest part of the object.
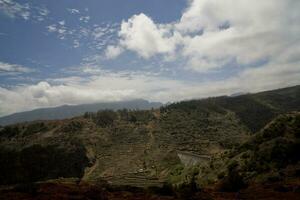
(69, 111)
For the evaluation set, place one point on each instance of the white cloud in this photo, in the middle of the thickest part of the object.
(76, 44)
(212, 33)
(14, 9)
(41, 13)
(85, 19)
(98, 32)
(7, 68)
(62, 23)
(25, 11)
(142, 35)
(73, 11)
(257, 31)
(52, 28)
(60, 29)
(113, 51)
(104, 35)
(96, 36)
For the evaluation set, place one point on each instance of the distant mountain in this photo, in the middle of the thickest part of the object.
(237, 94)
(69, 111)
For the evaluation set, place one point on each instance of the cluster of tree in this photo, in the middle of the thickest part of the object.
(103, 118)
(134, 116)
(106, 118)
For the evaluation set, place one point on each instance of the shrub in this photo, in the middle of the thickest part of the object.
(105, 118)
(165, 190)
(9, 131)
(72, 126)
(221, 175)
(34, 128)
(233, 182)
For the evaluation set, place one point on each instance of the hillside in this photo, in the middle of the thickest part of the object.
(69, 111)
(191, 140)
(270, 155)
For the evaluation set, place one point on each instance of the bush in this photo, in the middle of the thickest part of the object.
(186, 190)
(221, 175)
(72, 126)
(233, 182)
(165, 190)
(35, 128)
(9, 131)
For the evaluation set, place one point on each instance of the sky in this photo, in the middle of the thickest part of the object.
(75, 52)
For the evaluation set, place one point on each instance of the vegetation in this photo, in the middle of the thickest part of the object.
(269, 155)
(36, 163)
(225, 141)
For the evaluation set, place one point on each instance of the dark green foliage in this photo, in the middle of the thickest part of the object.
(251, 112)
(88, 115)
(279, 151)
(221, 175)
(277, 144)
(72, 126)
(9, 131)
(200, 121)
(103, 118)
(33, 128)
(275, 178)
(29, 188)
(233, 165)
(205, 107)
(37, 163)
(186, 190)
(271, 150)
(233, 182)
(134, 116)
(165, 190)
(124, 114)
(177, 170)
(286, 99)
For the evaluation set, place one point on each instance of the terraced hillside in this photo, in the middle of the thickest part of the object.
(139, 148)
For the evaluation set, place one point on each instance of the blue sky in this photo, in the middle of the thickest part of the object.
(73, 52)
